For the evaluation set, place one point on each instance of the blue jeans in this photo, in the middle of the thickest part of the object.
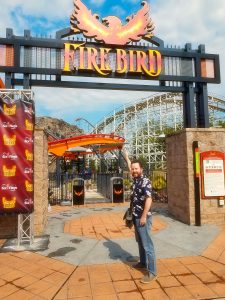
(145, 244)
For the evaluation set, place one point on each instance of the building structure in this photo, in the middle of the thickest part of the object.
(145, 123)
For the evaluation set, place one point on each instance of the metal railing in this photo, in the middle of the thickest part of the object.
(60, 187)
(103, 183)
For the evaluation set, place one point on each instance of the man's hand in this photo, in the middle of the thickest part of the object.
(148, 203)
(143, 220)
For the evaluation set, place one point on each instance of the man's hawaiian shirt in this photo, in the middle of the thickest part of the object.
(141, 189)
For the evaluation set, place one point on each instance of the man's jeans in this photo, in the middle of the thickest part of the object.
(145, 244)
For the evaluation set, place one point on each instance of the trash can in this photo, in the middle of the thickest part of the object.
(117, 190)
(78, 191)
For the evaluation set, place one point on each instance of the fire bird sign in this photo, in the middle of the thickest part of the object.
(110, 48)
(107, 60)
(111, 31)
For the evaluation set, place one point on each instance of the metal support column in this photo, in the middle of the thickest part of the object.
(202, 106)
(120, 160)
(25, 229)
(26, 81)
(8, 81)
(188, 107)
(58, 171)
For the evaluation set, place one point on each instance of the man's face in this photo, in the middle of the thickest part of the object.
(136, 170)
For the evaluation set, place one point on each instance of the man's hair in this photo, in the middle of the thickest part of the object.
(137, 161)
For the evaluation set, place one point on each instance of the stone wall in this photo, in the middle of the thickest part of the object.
(8, 226)
(8, 223)
(180, 174)
(40, 181)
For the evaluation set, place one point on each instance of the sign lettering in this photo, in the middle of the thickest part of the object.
(106, 60)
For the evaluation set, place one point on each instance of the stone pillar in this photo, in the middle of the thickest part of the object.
(180, 174)
(40, 180)
(8, 226)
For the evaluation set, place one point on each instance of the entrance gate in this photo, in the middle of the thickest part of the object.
(133, 52)
(61, 188)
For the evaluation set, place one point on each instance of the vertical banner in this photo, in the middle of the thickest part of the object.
(16, 156)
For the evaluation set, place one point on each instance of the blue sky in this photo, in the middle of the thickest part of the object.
(176, 21)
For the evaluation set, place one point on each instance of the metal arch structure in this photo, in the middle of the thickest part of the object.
(59, 147)
(32, 61)
(144, 124)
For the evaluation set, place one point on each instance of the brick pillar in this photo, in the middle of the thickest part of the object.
(40, 180)
(8, 226)
(180, 174)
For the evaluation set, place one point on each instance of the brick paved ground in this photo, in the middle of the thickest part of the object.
(105, 226)
(32, 276)
(27, 275)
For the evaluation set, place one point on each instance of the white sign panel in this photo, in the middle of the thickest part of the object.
(214, 178)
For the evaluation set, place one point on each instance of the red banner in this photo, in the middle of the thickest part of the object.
(16, 156)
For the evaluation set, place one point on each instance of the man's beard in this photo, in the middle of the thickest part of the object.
(136, 174)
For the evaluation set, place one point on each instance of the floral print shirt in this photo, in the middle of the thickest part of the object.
(141, 189)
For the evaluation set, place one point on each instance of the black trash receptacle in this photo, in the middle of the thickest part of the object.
(78, 191)
(117, 190)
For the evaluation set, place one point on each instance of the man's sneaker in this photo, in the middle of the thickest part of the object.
(148, 278)
(139, 265)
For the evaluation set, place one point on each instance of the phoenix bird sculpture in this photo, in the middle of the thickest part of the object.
(111, 30)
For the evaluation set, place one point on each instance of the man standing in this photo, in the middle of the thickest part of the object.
(142, 218)
(87, 174)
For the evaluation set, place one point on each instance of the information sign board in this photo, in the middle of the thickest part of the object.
(212, 174)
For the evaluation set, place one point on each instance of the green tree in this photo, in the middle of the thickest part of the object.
(92, 165)
(144, 162)
(221, 123)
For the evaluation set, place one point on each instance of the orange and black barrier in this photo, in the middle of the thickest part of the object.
(78, 191)
(117, 190)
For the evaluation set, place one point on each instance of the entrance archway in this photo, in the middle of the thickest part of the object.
(29, 61)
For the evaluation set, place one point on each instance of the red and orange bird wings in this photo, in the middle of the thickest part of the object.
(138, 26)
(83, 20)
(112, 32)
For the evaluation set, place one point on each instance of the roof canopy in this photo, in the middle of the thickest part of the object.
(60, 147)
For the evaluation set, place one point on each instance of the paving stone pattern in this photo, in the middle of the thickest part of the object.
(28, 275)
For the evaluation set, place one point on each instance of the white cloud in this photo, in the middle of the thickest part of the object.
(196, 22)
(131, 1)
(17, 14)
(74, 103)
(118, 10)
(97, 2)
(50, 9)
